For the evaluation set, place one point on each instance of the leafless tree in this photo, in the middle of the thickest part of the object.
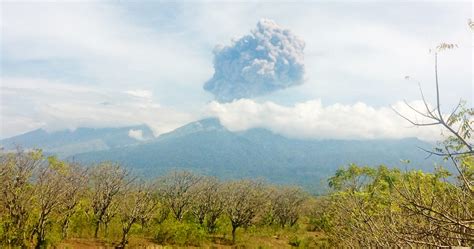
(286, 204)
(208, 203)
(458, 124)
(177, 191)
(108, 181)
(137, 204)
(243, 201)
(51, 189)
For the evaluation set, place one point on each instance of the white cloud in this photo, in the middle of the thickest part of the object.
(144, 94)
(136, 134)
(100, 41)
(313, 120)
(28, 104)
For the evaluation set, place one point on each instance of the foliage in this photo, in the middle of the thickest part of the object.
(180, 233)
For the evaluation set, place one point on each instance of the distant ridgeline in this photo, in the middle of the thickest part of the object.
(209, 148)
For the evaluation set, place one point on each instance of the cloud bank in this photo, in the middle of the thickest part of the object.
(268, 59)
(312, 120)
(55, 105)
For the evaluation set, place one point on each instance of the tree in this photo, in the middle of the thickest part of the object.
(76, 185)
(442, 212)
(177, 190)
(108, 181)
(208, 203)
(243, 201)
(458, 149)
(137, 204)
(382, 207)
(17, 192)
(51, 187)
(286, 203)
(361, 207)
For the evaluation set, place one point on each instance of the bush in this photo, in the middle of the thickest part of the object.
(181, 234)
(320, 223)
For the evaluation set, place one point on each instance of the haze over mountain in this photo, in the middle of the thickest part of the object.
(67, 143)
(208, 147)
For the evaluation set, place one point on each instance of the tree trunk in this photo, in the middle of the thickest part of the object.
(201, 219)
(64, 228)
(40, 232)
(106, 228)
(211, 225)
(96, 233)
(40, 239)
(124, 241)
(234, 228)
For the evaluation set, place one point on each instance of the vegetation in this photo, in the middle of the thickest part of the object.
(45, 200)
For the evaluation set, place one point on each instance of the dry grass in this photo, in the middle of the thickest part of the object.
(246, 240)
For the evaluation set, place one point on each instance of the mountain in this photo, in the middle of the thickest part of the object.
(67, 143)
(208, 147)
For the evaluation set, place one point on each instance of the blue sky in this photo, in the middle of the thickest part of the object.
(101, 64)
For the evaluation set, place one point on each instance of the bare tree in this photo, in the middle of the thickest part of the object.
(458, 124)
(108, 181)
(286, 203)
(17, 192)
(243, 201)
(208, 203)
(137, 204)
(177, 190)
(51, 189)
(450, 213)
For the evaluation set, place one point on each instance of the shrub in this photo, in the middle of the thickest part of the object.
(181, 234)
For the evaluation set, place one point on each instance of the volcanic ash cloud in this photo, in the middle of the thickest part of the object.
(268, 59)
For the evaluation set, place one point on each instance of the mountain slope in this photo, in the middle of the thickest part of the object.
(67, 143)
(207, 147)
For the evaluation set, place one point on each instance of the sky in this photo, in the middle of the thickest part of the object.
(336, 71)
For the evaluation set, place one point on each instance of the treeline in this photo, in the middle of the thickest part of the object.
(43, 198)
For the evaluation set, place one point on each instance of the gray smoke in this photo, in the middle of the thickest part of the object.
(268, 59)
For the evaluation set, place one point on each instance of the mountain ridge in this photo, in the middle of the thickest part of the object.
(68, 142)
(207, 147)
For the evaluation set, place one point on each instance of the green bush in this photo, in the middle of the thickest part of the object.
(320, 223)
(181, 234)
